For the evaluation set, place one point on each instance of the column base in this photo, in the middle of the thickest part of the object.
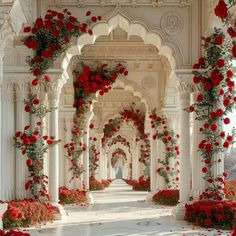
(149, 196)
(62, 212)
(3, 208)
(179, 211)
(89, 197)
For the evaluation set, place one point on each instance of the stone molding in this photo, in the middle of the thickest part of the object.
(133, 3)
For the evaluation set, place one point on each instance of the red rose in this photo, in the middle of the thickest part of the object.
(49, 142)
(94, 19)
(69, 26)
(36, 132)
(221, 92)
(55, 32)
(219, 112)
(45, 137)
(30, 43)
(208, 147)
(36, 101)
(59, 23)
(28, 162)
(229, 138)
(99, 18)
(225, 174)
(39, 23)
(126, 73)
(199, 97)
(33, 139)
(46, 53)
(196, 66)
(204, 169)
(201, 60)
(226, 144)
(222, 134)
(226, 102)
(226, 120)
(36, 71)
(213, 127)
(221, 9)
(26, 185)
(154, 136)
(88, 13)
(231, 32)
(34, 82)
(191, 109)
(213, 115)
(218, 40)
(207, 161)
(234, 50)
(91, 126)
(27, 29)
(27, 108)
(220, 62)
(90, 32)
(60, 15)
(47, 78)
(48, 24)
(17, 134)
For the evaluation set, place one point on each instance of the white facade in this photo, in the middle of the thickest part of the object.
(158, 40)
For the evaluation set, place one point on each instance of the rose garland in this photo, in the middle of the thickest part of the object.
(88, 81)
(49, 38)
(216, 99)
(137, 117)
(169, 138)
(93, 156)
(74, 150)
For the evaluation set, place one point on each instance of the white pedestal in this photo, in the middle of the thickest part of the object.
(149, 196)
(89, 197)
(3, 208)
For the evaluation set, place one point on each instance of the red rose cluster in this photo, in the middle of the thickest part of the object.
(50, 36)
(89, 81)
(27, 141)
(168, 197)
(169, 138)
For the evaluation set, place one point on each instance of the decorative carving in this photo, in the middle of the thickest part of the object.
(172, 23)
(134, 3)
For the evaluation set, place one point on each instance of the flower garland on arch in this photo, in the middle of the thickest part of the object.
(87, 82)
(48, 38)
(169, 139)
(137, 117)
(93, 156)
(216, 99)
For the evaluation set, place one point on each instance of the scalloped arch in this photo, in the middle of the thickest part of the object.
(121, 146)
(132, 28)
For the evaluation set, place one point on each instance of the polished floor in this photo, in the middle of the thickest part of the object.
(119, 211)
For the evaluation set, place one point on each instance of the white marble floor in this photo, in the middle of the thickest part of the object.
(119, 211)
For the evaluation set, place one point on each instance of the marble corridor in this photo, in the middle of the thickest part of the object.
(119, 211)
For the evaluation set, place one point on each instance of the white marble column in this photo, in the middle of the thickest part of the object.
(198, 183)
(67, 138)
(86, 155)
(22, 119)
(7, 143)
(105, 166)
(185, 165)
(153, 166)
(100, 161)
(54, 151)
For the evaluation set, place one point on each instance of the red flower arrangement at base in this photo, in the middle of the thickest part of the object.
(94, 184)
(139, 185)
(212, 213)
(168, 197)
(23, 213)
(73, 196)
(12, 232)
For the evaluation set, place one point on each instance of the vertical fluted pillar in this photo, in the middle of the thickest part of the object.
(86, 155)
(185, 166)
(198, 183)
(153, 166)
(22, 119)
(54, 151)
(67, 138)
(7, 142)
